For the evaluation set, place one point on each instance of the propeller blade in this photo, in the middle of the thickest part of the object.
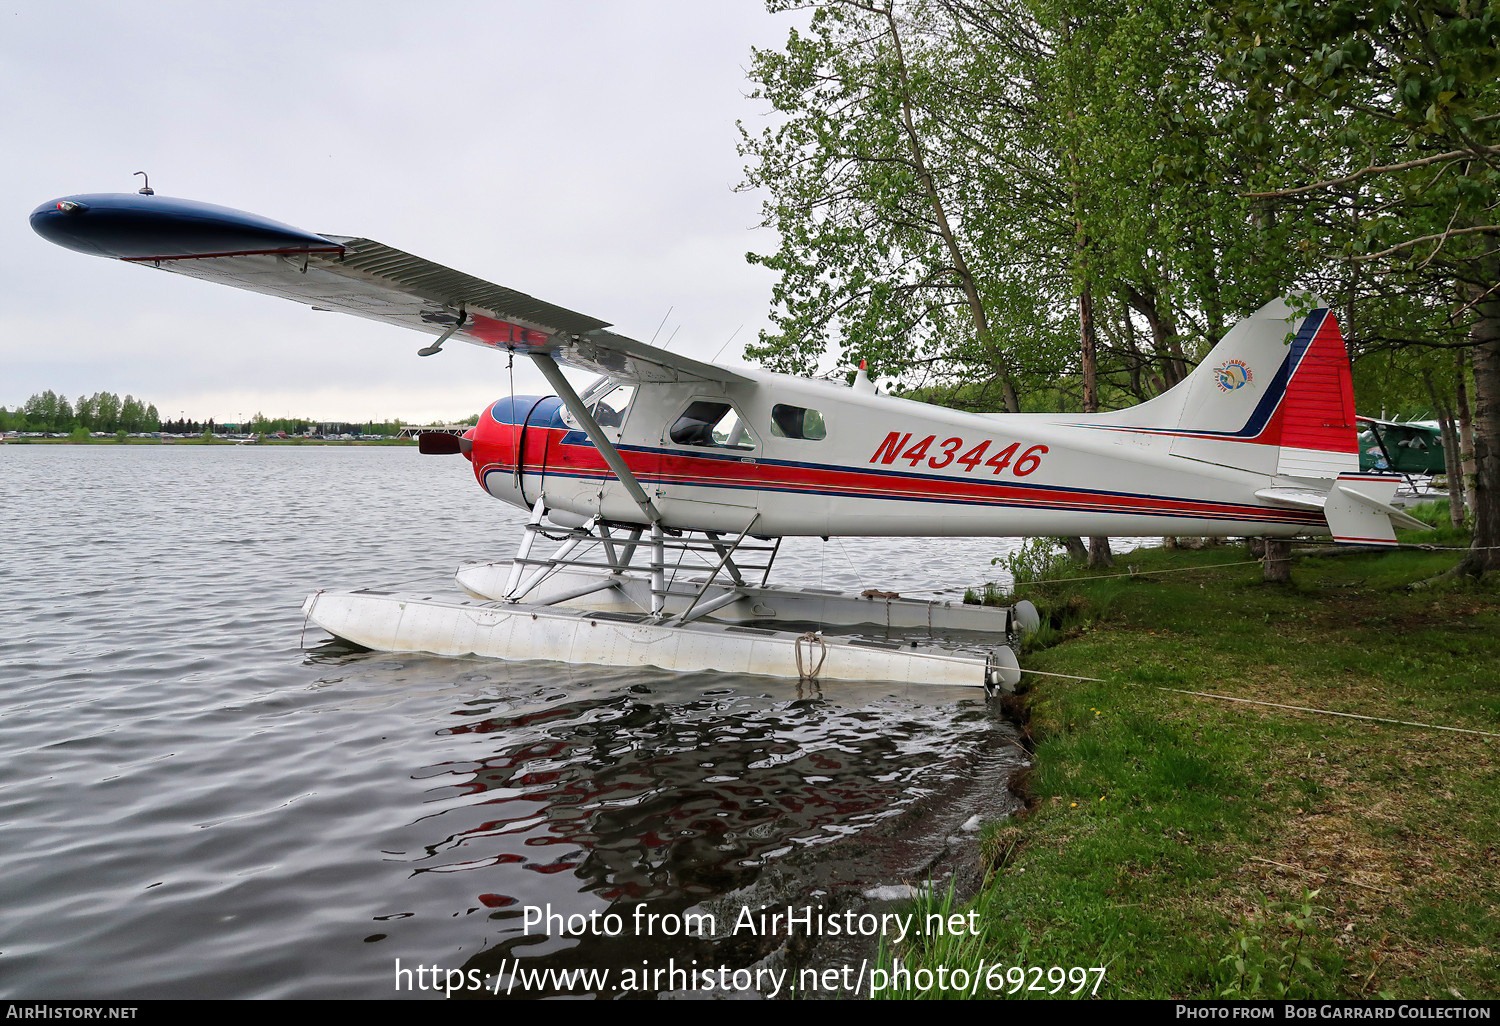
(439, 443)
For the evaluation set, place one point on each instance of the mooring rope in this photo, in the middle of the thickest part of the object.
(1135, 573)
(1330, 712)
(1275, 705)
(1245, 562)
(1069, 676)
(1424, 547)
(812, 638)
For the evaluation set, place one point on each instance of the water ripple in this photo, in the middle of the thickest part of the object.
(197, 805)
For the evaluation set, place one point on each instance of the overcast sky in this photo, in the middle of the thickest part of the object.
(583, 152)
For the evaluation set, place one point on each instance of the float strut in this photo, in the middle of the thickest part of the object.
(528, 537)
(726, 551)
(658, 569)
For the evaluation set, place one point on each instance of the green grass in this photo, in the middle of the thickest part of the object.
(1176, 839)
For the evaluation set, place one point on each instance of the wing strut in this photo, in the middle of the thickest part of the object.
(554, 376)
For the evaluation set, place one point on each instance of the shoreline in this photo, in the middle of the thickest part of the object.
(1207, 847)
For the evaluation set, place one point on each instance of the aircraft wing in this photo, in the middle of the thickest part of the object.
(355, 276)
(379, 282)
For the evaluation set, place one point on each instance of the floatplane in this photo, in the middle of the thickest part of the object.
(665, 459)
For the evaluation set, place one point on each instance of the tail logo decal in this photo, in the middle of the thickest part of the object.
(1232, 374)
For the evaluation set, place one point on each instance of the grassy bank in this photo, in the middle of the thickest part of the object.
(1199, 847)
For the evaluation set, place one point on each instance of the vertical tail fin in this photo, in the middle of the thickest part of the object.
(1318, 435)
(1275, 397)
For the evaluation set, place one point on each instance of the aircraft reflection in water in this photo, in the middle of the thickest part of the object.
(648, 796)
(643, 802)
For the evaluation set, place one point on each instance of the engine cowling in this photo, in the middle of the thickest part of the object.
(511, 430)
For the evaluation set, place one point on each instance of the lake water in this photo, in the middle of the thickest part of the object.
(203, 797)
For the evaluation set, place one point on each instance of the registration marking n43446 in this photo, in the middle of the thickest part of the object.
(948, 451)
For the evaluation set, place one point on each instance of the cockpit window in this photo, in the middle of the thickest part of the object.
(609, 411)
(797, 422)
(714, 425)
(608, 405)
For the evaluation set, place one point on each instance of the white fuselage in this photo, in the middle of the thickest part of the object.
(884, 466)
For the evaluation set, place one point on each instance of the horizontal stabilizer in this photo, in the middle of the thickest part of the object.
(1359, 510)
(1358, 507)
(1303, 498)
(1399, 517)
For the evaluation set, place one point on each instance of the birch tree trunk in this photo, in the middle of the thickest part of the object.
(961, 268)
(1452, 468)
(1099, 555)
(1465, 428)
(1484, 553)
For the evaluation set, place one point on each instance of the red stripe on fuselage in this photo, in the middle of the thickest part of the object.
(546, 453)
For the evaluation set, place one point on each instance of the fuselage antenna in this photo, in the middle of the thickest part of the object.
(726, 343)
(146, 189)
(660, 326)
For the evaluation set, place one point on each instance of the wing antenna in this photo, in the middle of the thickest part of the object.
(728, 340)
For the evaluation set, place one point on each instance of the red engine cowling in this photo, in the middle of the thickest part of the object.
(515, 424)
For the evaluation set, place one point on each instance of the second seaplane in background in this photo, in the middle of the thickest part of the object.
(667, 459)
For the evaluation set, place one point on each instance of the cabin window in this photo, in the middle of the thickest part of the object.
(714, 425)
(797, 422)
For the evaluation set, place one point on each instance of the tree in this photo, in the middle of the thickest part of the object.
(1056, 171)
(885, 203)
(106, 411)
(132, 414)
(1384, 125)
(1164, 241)
(1015, 188)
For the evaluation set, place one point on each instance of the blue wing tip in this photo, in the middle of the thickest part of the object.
(133, 226)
